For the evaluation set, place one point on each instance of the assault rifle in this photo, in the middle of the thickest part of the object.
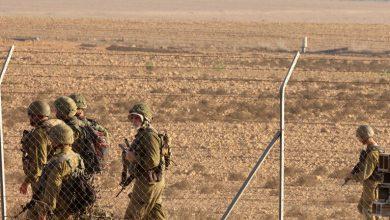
(29, 205)
(126, 180)
(357, 167)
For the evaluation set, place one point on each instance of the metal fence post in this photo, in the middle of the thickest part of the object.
(250, 176)
(282, 124)
(3, 193)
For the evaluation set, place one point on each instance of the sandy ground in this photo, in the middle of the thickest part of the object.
(214, 88)
(315, 11)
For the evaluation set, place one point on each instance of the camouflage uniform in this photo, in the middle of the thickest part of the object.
(36, 148)
(146, 198)
(64, 163)
(81, 103)
(366, 172)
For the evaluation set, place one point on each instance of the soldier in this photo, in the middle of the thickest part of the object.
(35, 147)
(367, 171)
(147, 160)
(81, 103)
(85, 138)
(61, 166)
(66, 110)
(102, 142)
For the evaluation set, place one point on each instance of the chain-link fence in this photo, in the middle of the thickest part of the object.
(219, 111)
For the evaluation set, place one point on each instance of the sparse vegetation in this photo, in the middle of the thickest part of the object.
(149, 66)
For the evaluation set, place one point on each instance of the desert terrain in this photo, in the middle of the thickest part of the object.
(213, 84)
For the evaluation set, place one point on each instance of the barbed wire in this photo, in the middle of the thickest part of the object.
(217, 68)
(199, 55)
(184, 78)
(184, 94)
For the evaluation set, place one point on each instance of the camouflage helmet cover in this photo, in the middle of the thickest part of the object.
(142, 109)
(364, 132)
(39, 108)
(61, 134)
(66, 106)
(79, 99)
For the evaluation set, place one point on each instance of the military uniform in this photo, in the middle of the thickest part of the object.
(367, 171)
(146, 197)
(36, 148)
(370, 184)
(99, 130)
(64, 163)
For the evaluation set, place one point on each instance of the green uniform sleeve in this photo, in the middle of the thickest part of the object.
(367, 167)
(37, 153)
(148, 155)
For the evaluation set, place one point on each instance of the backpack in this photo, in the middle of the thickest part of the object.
(78, 193)
(101, 142)
(86, 146)
(77, 190)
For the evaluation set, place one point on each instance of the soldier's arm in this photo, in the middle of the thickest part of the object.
(38, 155)
(149, 155)
(52, 188)
(367, 167)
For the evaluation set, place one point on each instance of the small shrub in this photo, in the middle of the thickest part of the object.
(149, 66)
(219, 67)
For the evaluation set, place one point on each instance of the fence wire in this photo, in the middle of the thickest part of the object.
(80, 174)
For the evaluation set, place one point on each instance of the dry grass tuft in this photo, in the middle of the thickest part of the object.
(157, 90)
(210, 189)
(296, 212)
(308, 181)
(320, 171)
(197, 167)
(272, 183)
(293, 171)
(185, 213)
(236, 177)
(340, 174)
(181, 185)
(339, 214)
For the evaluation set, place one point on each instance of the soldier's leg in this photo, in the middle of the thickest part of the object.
(369, 195)
(143, 201)
(158, 211)
(32, 214)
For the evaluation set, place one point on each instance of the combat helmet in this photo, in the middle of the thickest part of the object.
(143, 110)
(364, 132)
(39, 108)
(66, 106)
(79, 99)
(61, 134)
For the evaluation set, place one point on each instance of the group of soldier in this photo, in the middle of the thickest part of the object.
(52, 155)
